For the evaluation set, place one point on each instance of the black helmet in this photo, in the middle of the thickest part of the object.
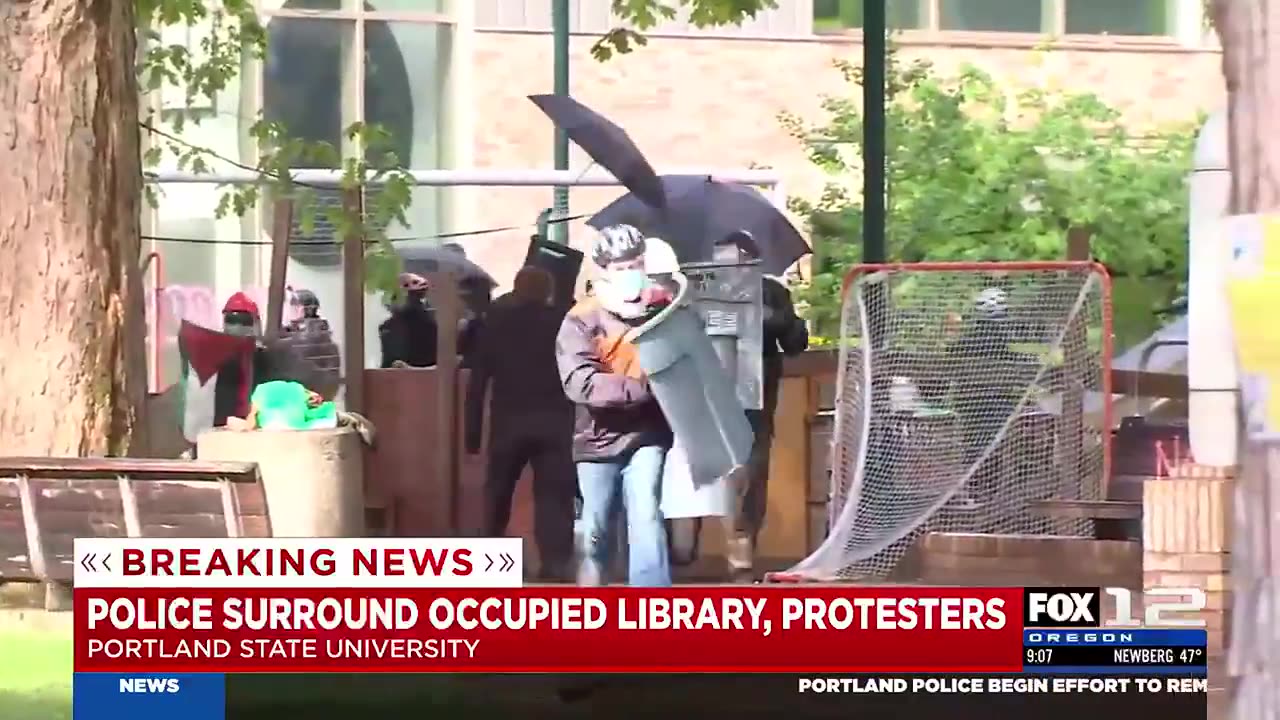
(306, 299)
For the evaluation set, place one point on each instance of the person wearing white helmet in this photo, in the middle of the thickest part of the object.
(621, 438)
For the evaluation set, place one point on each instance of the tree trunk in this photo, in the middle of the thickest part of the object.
(1251, 66)
(73, 374)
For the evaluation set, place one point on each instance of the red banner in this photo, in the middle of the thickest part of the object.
(809, 629)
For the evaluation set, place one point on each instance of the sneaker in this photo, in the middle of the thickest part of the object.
(740, 552)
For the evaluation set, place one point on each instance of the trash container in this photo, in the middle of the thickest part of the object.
(313, 479)
(696, 394)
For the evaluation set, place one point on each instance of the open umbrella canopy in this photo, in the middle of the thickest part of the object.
(607, 144)
(428, 259)
(699, 212)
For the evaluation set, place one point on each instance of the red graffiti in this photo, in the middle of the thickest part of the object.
(197, 304)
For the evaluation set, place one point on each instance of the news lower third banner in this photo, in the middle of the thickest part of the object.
(115, 696)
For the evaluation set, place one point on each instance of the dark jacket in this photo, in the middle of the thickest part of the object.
(616, 410)
(784, 332)
(515, 352)
(409, 336)
(312, 339)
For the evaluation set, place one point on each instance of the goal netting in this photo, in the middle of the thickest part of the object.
(966, 393)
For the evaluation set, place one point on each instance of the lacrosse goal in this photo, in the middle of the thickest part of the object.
(965, 393)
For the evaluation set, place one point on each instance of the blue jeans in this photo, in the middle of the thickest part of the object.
(639, 477)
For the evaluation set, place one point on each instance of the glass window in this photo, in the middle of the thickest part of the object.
(405, 68)
(407, 6)
(1113, 17)
(835, 15)
(303, 89)
(1025, 16)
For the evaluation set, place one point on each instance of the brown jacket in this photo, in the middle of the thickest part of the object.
(601, 375)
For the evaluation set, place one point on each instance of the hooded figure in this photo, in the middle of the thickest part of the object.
(530, 419)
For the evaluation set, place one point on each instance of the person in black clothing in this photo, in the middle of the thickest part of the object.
(531, 419)
(409, 335)
(475, 293)
(984, 396)
(784, 333)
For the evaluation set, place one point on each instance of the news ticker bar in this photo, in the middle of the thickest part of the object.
(115, 696)
(1099, 656)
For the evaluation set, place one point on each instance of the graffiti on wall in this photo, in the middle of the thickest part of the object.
(196, 304)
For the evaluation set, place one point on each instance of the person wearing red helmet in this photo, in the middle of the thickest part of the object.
(237, 375)
(409, 335)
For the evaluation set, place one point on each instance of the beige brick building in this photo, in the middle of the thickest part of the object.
(712, 98)
(450, 79)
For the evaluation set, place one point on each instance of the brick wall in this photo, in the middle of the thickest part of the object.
(1187, 543)
(715, 102)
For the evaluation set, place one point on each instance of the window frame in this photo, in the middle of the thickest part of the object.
(353, 97)
(1054, 14)
(355, 18)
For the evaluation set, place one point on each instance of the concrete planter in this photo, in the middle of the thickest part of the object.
(314, 479)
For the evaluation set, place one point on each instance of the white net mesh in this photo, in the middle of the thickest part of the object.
(969, 408)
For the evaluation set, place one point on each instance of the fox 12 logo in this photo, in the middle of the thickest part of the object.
(1111, 607)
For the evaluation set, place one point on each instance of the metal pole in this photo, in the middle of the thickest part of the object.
(560, 28)
(874, 50)
(488, 177)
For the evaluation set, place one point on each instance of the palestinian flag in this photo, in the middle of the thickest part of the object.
(217, 377)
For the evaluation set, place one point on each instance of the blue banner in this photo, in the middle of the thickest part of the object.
(1115, 670)
(1137, 637)
(140, 696)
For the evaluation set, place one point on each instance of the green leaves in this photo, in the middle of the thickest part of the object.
(635, 17)
(219, 35)
(982, 171)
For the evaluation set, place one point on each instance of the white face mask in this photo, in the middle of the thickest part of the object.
(619, 292)
(628, 283)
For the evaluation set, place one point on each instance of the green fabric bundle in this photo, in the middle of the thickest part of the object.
(284, 405)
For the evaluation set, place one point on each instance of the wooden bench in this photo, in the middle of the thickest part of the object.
(46, 503)
(1112, 518)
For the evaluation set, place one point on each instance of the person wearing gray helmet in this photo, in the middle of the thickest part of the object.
(311, 337)
(621, 437)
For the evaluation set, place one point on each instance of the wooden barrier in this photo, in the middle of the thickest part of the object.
(46, 503)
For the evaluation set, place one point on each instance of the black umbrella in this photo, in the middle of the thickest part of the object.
(607, 144)
(700, 212)
(429, 259)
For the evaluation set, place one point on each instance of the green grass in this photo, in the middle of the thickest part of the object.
(35, 675)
